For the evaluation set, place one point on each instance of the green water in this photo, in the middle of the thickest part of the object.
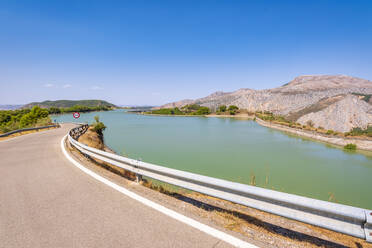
(237, 150)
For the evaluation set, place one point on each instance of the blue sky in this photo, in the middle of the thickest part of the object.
(153, 52)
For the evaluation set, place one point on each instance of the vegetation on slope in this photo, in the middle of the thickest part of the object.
(350, 146)
(364, 97)
(98, 126)
(231, 110)
(70, 103)
(16, 119)
(23, 118)
(360, 132)
(192, 109)
(77, 108)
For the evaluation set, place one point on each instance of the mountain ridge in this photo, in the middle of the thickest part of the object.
(299, 94)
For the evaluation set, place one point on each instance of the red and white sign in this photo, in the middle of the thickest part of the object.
(76, 115)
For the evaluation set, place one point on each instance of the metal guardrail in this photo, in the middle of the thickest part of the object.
(345, 219)
(26, 129)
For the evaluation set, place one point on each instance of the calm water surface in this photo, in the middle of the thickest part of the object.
(239, 150)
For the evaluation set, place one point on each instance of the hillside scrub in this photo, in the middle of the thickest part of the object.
(98, 126)
(222, 108)
(357, 131)
(23, 118)
(167, 111)
(268, 116)
(365, 97)
(233, 109)
(77, 108)
(350, 147)
(192, 109)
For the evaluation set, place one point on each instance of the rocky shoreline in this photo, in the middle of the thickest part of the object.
(361, 144)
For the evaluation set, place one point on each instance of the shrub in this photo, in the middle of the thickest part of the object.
(350, 146)
(54, 110)
(98, 126)
(222, 108)
(203, 111)
(15, 119)
(191, 108)
(357, 131)
(233, 107)
(32, 117)
(167, 111)
(329, 132)
(232, 112)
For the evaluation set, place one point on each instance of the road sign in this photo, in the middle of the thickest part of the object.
(76, 115)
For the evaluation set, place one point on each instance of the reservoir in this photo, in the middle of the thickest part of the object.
(241, 151)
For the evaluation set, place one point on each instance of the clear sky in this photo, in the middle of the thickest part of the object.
(153, 52)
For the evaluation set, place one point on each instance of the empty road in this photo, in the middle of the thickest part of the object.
(45, 201)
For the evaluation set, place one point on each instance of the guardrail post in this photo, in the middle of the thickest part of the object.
(368, 226)
(138, 176)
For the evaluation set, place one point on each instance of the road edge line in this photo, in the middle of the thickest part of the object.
(171, 213)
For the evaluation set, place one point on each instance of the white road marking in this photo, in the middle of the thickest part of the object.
(191, 222)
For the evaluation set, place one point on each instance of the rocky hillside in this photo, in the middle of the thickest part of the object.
(318, 98)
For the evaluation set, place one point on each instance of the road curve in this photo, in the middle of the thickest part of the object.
(45, 201)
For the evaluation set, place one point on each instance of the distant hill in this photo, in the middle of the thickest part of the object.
(69, 103)
(10, 106)
(336, 102)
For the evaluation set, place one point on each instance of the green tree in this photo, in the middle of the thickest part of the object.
(33, 116)
(54, 110)
(233, 107)
(203, 111)
(98, 126)
(222, 108)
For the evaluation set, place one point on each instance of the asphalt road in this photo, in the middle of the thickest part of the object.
(45, 201)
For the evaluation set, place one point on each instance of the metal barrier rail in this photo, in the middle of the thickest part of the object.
(345, 219)
(26, 129)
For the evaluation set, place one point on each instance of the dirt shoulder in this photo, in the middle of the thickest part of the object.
(257, 227)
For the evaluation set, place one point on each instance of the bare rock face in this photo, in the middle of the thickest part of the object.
(342, 116)
(292, 99)
(323, 82)
(176, 104)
